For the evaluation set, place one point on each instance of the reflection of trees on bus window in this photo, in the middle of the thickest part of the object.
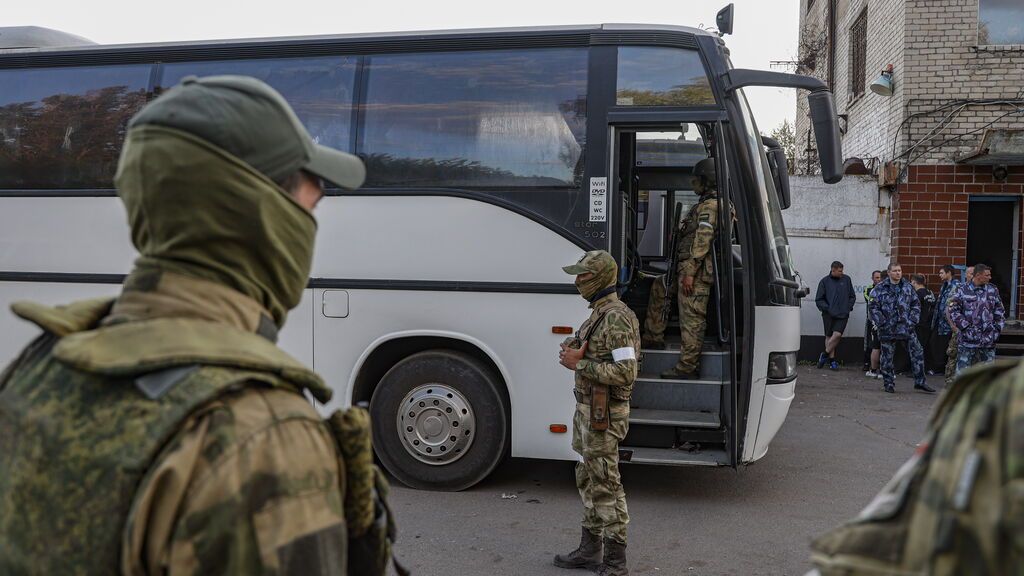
(62, 128)
(319, 89)
(476, 119)
(649, 76)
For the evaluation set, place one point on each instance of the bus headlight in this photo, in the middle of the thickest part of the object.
(781, 367)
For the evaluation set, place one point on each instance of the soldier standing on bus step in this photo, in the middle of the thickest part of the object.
(693, 259)
(603, 356)
(164, 432)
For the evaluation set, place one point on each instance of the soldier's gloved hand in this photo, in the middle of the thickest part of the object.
(569, 357)
(686, 283)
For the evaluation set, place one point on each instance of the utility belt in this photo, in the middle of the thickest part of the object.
(600, 405)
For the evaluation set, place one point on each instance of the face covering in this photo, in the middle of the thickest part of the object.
(218, 218)
(601, 280)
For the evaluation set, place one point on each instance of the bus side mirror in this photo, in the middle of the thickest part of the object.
(724, 20)
(826, 133)
(780, 170)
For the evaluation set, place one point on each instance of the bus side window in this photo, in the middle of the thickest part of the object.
(62, 128)
(320, 89)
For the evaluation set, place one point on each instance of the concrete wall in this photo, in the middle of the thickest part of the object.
(845, 222)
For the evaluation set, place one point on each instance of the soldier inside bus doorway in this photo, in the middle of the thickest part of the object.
(695, 273)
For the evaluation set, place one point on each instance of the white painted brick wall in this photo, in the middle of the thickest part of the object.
(932, 45)
(872, 119)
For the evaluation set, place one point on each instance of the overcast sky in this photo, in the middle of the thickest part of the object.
(763, 31)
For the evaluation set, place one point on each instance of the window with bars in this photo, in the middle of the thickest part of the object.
(858, 54)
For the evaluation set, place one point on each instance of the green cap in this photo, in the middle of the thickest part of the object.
(595, 261)
(252, 121)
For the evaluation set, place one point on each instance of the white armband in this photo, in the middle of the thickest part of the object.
(621, 354)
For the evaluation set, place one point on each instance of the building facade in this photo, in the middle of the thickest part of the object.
(947, 145)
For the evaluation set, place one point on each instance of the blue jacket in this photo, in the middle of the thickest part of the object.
(977, 312)
(895, 309)
(835, 296)
(939, 322)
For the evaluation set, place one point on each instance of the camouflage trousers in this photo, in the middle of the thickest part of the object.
(597, 474)
(693, 311)
(916, 353)
(951, 354)
(967, 357)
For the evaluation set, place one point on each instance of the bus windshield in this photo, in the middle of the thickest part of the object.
(775, 230)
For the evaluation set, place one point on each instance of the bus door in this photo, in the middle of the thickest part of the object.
(672, 421)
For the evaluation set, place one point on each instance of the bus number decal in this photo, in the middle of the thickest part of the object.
(598, 199)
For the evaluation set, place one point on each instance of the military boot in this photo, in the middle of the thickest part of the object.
(588, 555)
(614, 563)
(652, 344)
(676, 374)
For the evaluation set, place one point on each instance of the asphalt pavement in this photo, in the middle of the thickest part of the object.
(843, 439)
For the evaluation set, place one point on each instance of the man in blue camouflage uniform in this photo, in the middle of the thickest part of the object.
(603, 357)
(895, 310)
(977, 311)
(941, 330)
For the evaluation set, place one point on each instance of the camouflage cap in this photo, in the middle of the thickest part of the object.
(252, 121)
(595, 261)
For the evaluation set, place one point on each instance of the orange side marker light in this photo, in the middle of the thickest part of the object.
(558, 428)
(561, 329)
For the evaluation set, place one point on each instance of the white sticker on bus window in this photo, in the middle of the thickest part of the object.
(598, 199)
(620, 354)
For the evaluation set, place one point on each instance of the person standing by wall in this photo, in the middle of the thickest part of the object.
(895, 311)
(927, 299)
(977, 312)
(951, 349)
(835, 298)
(870, 354)
(941, 331)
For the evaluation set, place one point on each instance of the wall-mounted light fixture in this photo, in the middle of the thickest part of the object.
(884, 85)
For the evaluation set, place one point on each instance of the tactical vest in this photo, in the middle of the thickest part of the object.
(85, 412)
(957, 506)
(600, 350)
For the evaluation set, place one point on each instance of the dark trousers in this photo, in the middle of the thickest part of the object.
(935, 358)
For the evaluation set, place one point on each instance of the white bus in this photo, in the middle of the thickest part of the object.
(494, 158)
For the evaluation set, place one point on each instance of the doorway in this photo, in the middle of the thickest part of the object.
(993, 227)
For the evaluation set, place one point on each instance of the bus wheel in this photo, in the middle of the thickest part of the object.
(439, 421)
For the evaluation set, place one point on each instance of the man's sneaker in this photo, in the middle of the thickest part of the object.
(822, 359)
(833, 365)
(932, 373)
(872, 374)
(891, 389)
(924, 388)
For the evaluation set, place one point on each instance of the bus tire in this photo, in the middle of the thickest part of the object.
(440, 420)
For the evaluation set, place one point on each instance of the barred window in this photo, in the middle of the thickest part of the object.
(858, 54)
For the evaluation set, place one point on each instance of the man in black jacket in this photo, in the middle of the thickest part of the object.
(835, 299)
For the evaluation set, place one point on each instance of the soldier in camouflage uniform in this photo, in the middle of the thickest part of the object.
(163, 432)
(695, 270)
(952, 349)
(957, 506)
(604, 358)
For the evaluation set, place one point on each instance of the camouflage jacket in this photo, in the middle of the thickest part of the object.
(939, 322)
(696, 237)
(895, 309)
(612, 334)
(169, 446)
(957, 506)
(978, 314)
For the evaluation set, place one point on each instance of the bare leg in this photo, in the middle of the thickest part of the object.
(832, 343)
(876, 355)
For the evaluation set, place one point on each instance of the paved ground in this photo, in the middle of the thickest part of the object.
(843, 440)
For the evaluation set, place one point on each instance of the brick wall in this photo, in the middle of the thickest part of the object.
(943, 63)
(872, 119)
(929, 216)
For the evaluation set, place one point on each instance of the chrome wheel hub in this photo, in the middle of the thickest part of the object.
(436, 424)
